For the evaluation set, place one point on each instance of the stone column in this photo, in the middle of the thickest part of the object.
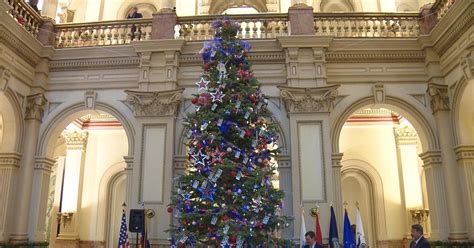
(76, 142)
(312, 174)
(465, 158)
(410, 185)
(337, 184)
(47, 34)
(129, 175)
(33, 116)
(49, 8)
(440, 107)
(152, 184)
(436, 194)
(39, 199)
(9, 164)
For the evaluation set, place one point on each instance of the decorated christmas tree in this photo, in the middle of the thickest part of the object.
(226, 198)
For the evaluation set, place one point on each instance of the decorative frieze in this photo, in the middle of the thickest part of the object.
(375, 56)
(439, 97)
(75, 140)
(93, 64)
(405, 135)
(308, 100)
(157, 103)
(35, 107)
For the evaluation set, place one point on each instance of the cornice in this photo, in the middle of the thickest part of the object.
(19, 46)
(454, 24)
(304, 41)
(158, 45)
(10, 159)
(375, 56)
(464, 152)
(93, 63)
(253, 57)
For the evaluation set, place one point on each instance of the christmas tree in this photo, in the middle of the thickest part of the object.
(226, 198)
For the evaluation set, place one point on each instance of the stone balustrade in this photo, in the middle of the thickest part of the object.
(25, 16)
(441, 7)
(367, 24)
(103, 33)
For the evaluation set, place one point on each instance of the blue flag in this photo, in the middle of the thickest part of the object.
(333, 236)
(349, 241)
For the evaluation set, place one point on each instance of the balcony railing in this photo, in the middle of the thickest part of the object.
(441, 7)
(367, 24)
(25, 16)
(103, 33)
(255, 26)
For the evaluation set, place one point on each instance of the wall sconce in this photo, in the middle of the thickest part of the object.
(420, 215)
(65, 218)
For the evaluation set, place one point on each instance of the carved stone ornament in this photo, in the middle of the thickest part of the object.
(439, 97)
(405, 135)
(5, 75)
(35, 106)
(157, 103)
(307, 100)
(75, 140)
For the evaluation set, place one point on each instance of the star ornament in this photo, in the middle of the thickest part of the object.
(202, 84)
(207, 193)
(217, 156)
(200, 158)
(217, 96)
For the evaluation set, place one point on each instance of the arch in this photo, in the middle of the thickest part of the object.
(369, 173)
(462, 95)
(15, 113)
(219, 6)
(146, 7)
(69, 114)
(337, 6)
(414, 116)
(107, 180)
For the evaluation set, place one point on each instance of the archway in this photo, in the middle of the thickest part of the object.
(11, 123)
(218, 7)
(385, 145)
(463, 113)
(88, 150)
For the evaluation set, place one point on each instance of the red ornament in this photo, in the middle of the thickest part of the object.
(170, 209)
(206, 66)
(248, 132)
(252, 98)
(194, 101)
(233, 238)
(225, 217)
(199, 145)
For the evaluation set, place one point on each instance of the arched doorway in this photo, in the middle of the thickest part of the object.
(84, 195)
(382, 143)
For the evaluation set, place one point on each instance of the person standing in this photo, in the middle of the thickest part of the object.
(134, 14)
(418, 240)
(310, 240)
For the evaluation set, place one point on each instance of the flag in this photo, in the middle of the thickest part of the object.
(319, 236)
(333, 236)
(348, 236)
(144, 243)
(360, 236)
(123, 236)
(302, 229)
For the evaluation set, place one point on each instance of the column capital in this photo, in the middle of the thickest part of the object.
(336, 160)
(10, 159)
(439, 97)
(44, 163)
(35, 107)
(155, 103)
(75, 140)
(405, 135)
(464, 152)
(431, 158)
(5, 75)
(128, 162)
(309, 100)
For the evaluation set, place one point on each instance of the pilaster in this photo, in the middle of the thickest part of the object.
(9, 164)
(76, 143)
(465, 159)
(313, 179)
(336, 159)
(440, 106)
(33, 115)
(152, 171)
(436, 194)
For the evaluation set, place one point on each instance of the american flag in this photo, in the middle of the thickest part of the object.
(123, 237)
